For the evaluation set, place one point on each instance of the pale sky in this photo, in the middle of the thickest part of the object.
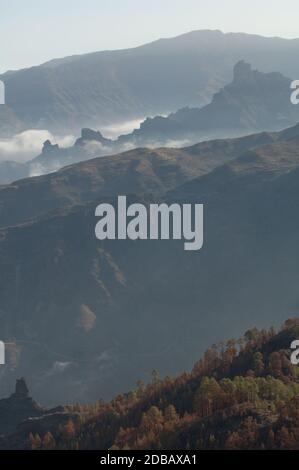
(34, 31)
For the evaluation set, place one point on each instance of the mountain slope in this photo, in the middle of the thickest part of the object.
(139, 170)
(103, 87)
(9, 123)
(90, 317)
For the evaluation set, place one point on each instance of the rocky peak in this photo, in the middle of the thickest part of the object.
(21, 389)
(48, 147)
(242, 71)
(89, 135)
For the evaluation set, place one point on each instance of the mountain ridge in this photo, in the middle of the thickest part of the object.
(252, 102)
(43, 96)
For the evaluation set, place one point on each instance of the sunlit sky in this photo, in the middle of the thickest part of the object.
(34, 31)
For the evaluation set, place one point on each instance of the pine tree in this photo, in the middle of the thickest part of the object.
(48, 441)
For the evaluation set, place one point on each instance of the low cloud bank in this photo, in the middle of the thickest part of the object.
(126, 127)
(28, 144)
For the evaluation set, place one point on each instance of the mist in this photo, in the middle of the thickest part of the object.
(28, 144)
(113, 131)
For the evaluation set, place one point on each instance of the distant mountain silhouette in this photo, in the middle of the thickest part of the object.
(252, 102)
(94, 89)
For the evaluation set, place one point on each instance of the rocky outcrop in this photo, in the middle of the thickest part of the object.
(89, 135)
(48, 147)
(17, 408)
(253, 101)
(20, 415)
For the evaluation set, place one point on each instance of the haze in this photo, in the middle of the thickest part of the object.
(33, 32)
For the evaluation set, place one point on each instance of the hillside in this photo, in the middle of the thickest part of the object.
(139, 170)
(242, 394)
(92, 90)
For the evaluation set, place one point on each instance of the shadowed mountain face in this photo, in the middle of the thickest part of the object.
(99, 88)
(86, 318)
(9, 123)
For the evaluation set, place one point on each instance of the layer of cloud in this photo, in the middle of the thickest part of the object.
(28, 144)
(125, 127)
